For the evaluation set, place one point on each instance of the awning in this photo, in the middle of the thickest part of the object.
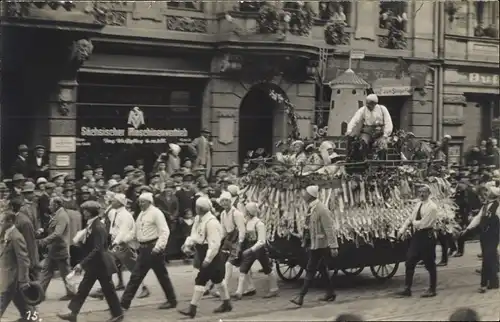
(393, 87)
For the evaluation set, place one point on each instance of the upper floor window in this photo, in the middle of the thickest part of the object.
(335, 11)
(250, 6)
(486, 19)
(186, 5)
(393, 14)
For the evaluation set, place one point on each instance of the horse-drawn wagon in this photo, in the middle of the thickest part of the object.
(368, 209)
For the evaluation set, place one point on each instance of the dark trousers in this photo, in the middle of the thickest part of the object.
(422, 248)
(12, 294)
(318, 262)
(146, 261)
(49, 267)
(75, 255)
(445, 240)
(108, 289)
(489, 265)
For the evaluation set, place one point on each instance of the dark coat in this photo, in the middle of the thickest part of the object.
(43, 209)
(20, 166)
(96, 251)
(169, 207)
(185, 198)
(25, 227)
(14, 260)
(59, 235)
(36, 171)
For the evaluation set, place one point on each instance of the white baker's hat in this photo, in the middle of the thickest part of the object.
(372, 98)
(121, 198)
(148, 196)
(313, 191)
(204, 203)
(225, 195)
(233, 189)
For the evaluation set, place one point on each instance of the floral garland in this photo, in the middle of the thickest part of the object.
(290, 111)
(301, 19)
(268, 20)
(335, 33)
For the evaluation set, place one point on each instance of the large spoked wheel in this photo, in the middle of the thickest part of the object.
(384, 272)
(289, 271)
(352, 271)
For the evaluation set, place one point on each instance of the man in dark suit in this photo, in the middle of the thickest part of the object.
(321, 241)
(57, 242)
(18, 180)
(25, 227)
(39, 163)
(14, 266)
(98, 264)
(21, 163)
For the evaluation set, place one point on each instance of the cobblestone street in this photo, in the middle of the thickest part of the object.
(363, 295)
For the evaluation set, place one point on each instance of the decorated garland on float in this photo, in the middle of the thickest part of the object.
(365, 208)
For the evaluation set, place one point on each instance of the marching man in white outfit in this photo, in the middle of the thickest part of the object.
(206, 239)
(373, 124)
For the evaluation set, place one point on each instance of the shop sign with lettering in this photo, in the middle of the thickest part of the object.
(483, 79)
(393, 91)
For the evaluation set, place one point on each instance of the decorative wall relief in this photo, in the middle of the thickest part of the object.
(108, 12)
(227, 128)
(186, 24)
(65, 97)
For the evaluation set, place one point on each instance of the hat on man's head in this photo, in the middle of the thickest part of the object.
(41, 180)
(121, 198)
(112, 183)
(372, 98)
(205, 130)
(3, 187)
(39, 147)
(147, 196)
(84, 190)
(69, 178)
(87, 168)
(99, 167)
(169, 184)
(313, 191)
(154, 175)
(233, 189)
(28, 187)
(116, 177)
(204, 203)
(50, 185)
(188, 177)
(23, 148)
(91, 204)
(18, 177)
(218, 171)
(202, 184)
(58, 175)
(177, 174)
(128, 169)
(33, 294)
(224, 196)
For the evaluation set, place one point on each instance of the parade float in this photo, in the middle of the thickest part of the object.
(369, 201)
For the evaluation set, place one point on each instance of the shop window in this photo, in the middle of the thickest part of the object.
(393, 14)
(486, 19)
(335, 11)
(186, 5)
(250, 6)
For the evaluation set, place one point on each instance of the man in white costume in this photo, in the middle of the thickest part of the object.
(373, 124)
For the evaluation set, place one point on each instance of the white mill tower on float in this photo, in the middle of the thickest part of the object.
(348, 94)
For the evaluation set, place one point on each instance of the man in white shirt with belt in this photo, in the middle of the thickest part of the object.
(373, 124)
(423, 242)
(152, 233)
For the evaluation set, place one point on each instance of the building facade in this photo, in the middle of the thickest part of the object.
(109, 82)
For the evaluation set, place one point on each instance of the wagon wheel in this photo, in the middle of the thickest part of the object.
(385, 271)
(289, 271)
(352, 271)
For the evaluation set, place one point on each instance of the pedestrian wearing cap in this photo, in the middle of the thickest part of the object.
(20, 164)
(69, 197)
(44, 201)
(26, 228)
(320, 240)
(185, 197)
(168, 203)
(14, 266)
(177, 177)
(423, 242)
(30, 207)
(39, 163)
(154, 183)
(99, 265)
(18, 181)
(201, 147)
(57, 242)
(206, 240)
(58, 179)
(487, 221)
(152, 233)
(87, 174)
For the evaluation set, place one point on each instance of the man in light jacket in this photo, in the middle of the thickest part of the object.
(321, 242)
(57, 243)
(201, 147)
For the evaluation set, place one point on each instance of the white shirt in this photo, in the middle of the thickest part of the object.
(150, 225)
(256, 225)
(206, 230)
(234, 219)
(378, 116)
(428, 213)
(39, 161)
(122, 228)
(477, 218)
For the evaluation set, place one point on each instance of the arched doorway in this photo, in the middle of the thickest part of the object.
(261, 120)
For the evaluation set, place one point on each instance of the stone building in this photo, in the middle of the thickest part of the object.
(104, 82)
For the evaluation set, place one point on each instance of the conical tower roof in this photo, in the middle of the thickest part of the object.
(349, 77)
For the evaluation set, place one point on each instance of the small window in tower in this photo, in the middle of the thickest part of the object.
(360, 104)
(353, 92)
(338, 91)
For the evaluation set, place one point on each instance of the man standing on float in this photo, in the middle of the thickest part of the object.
(373, 125)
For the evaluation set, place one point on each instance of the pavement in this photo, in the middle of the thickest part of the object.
(362, 295)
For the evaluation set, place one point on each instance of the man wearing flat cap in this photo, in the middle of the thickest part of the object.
(21, 164)
(58, 179)
(14, 266)
(423, 242)
(152, 233)
(373, 124)
(30, 207)
(201, 148)
(168, 203)
(87, 175)
(39, 163)
(18, 181)
(154, 183)
(320, 240)
(487, 222)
